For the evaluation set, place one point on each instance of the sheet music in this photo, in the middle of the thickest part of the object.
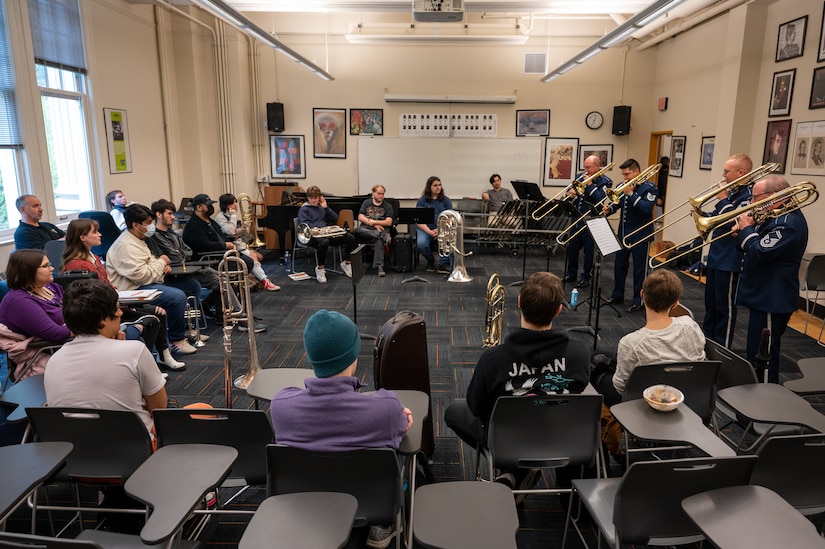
(603, 235)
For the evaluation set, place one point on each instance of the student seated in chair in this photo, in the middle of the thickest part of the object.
(317, 215)
(376, 217)
(330, 415)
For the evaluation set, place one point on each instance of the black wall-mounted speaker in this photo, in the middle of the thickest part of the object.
(275, 117)
(621, 120)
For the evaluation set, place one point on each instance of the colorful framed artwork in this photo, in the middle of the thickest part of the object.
(286, 155)
(329, 135)
(781, 93)
(117, 140)
(777, 134)
(790, 43)
(604, 152)
(560, 161)
(366, 121)
(532, 123)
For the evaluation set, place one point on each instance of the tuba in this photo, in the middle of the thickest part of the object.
(232, 274)
(250, 223)
(495, 312)
(451, 239)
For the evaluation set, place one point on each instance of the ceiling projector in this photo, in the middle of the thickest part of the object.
(438, 11)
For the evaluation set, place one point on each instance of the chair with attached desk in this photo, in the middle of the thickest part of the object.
(537, 432)
(644, 506)
(814, 282)
(812, 382)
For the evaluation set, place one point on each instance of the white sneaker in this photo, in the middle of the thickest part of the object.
(182, 348)
(347, 268)
(168, 361)
(321, 275)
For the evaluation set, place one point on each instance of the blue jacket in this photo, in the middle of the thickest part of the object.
(316, 216)
(593, 193)
(723, 254)
(770, 270)
(438, 205)
(636, 211)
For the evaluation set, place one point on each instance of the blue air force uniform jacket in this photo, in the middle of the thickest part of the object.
(723, 254)
(637, 209)
(769, 281)
(593, 193)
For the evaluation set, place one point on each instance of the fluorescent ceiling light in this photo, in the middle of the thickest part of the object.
(514, 39)
(585, 55)
(220, 9)
(432, 98)
(618, 37)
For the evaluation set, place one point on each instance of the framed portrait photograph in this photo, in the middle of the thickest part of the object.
(532, 123)
(776, 143)
(808, 149)
(117, 140)
(706, 152)
(604, 152)
(366, 121)
(330, 139)
(286, 155)
(560, 161)
(677, 155)
(781, 93)
(817, 89)
(820, 54)
(790, 43)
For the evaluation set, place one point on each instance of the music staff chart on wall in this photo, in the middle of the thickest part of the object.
(447, 125)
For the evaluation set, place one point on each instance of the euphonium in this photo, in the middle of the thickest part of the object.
(250, 223)
(451, 242)
(495, 312)
(233, 277)
(307, 233)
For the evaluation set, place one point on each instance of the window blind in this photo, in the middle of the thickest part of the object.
(9, 132)
(57, 35)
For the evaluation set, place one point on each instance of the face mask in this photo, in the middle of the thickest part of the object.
(150, 230)
(210, 209)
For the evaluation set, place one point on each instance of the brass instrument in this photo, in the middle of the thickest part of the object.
(307, 233)
(698, 202)
(250, 222)
(613, 195)
(451, 239)
(547, 207)
(195, 322)
(495, 312)
(232, 274)
(789, 199)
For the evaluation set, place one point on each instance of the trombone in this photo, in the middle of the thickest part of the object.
(614, 195)
(698, 202)
(547, 207)
(788, 199)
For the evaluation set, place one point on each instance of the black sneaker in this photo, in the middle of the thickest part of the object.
(430, 268)
(444, 268)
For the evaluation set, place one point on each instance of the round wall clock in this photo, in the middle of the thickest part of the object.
(594, 120)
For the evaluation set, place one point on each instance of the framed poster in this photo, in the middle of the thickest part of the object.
(820, 54)
(604, 152)
(677, 155)
(781, 93)
(790, 43)
(329, 133)
(532, 123)
(706, 152)
(560, 161)
(366, 121)
(817, 89)
(117, 140)
(808, 153)
(286, 155)
(776, 143)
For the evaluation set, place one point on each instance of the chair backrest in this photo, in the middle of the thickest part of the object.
(794, 467)
(108, 444)
(648, 502)
(248, 431)
(10, 540)
(733, 369)
(545, 431)
(680, 310)
(346, 216)
(815, 275)
(372, 475)
(696, 380)
(54, 251)
(109, 231)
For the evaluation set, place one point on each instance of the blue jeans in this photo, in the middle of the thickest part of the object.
(174, 301)
(423, 242)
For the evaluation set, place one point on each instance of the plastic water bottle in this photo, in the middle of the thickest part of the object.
(287, 262)
(574, 297)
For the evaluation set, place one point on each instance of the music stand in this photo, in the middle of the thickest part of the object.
(414, 216)
(527, 191)
(357, 263)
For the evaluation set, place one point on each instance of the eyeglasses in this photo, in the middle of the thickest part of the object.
(46, 266)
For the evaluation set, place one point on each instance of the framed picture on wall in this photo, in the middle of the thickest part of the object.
(781, 93)
(706, 152)
(560, 161)
(677, 155)
(532, 123)
(817, 89)
(820, 54)
(117, 140)
(286, 155)
(366, 121)
(604, 152)
(809, 149)
(329, 133)
(790, 43)
(776, 143)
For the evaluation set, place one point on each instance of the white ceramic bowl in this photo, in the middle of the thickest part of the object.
(664, 398)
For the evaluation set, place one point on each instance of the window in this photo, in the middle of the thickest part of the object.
(10, 141)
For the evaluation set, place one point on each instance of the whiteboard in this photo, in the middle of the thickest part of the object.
(464, 165)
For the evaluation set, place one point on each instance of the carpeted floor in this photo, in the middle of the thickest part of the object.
(454, 314)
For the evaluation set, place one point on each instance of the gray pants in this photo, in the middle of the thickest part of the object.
(377, 238)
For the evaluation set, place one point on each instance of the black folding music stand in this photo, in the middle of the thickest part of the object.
(356, 259)
(415, 216)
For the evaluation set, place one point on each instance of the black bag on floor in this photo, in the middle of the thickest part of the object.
(400, 362)
(402, 253)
